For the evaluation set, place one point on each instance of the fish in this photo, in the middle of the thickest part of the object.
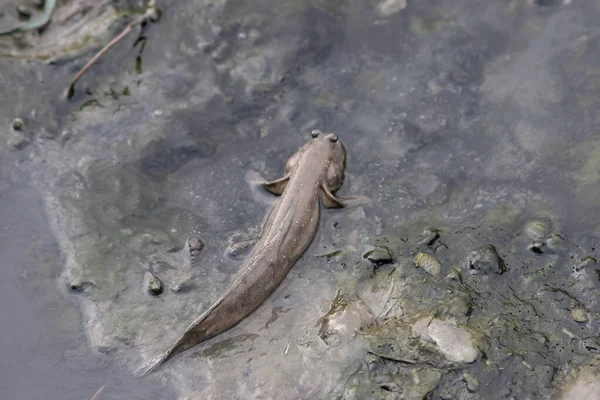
(312, 177)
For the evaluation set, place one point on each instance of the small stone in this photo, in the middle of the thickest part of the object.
(346, 317)
(195, 245)
(236, 249)
(579, 315)
(379, 256)
(471, 381)
(18, 124)
(454, 275)
(537, 247)
(446, 395)
(467, 66)
(153, 284)
(429, 237)
(390, 7)
(536, 230)
(455, 343)
(428, 262)
(485, 260)
(183, 287)
(78, 286)
(554, 242)
(540, 338)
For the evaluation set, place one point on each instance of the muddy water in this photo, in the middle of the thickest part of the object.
(44, 349)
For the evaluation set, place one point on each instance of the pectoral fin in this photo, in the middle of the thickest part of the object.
(329, 200)
(276, 187)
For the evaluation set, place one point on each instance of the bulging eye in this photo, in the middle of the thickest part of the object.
(332, 137)
(315, 134)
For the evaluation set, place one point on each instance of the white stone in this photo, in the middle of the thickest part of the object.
(586, 385)
(454, 342)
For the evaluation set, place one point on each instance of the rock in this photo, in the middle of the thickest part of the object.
(346, 317)
(536, 230)
(390, 7)
(429, 237)
(537, 247)
(18, 124)
(153, 284)
(466, 66)
(428, 262)
(455, 343)
(241, 242)
(236, 249)
(554, 242)
(454, 275)
(471, 381)
(78, 286)
(584, 386)
(183, 287)
(579, 315)
(421, 329)
(195, 245)
(485, 260)
(379, 256)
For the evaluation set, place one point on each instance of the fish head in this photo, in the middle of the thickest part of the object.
(334, 155)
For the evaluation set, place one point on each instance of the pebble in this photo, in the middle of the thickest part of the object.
(579, 315)
(485, 260)
(455, 343)
(471, 381)
(428, 262)
(379, 256)
(153, 284)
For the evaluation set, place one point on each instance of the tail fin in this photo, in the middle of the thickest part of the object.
(152, 364)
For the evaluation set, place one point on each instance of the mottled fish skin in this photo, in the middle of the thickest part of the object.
(315, 172)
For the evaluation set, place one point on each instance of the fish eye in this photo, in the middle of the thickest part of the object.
(315, 134)
(332, 137)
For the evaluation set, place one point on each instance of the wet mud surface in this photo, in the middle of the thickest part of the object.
(471, 274)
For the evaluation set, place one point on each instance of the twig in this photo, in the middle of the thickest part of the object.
(95, 396)
(391, 358)
(150, 14)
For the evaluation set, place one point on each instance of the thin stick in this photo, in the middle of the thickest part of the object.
(152, 13)
(98, 393)
(391, 358)
(87, 66)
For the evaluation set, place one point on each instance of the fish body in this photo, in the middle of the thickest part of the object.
(314, 172)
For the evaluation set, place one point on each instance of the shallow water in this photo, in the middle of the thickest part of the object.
(477, 119)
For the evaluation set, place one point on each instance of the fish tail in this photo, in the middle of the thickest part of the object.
(152, 364)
